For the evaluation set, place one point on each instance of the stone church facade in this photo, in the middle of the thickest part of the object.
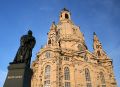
(65, 60)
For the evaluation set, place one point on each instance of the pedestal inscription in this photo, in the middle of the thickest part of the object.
(19, 75)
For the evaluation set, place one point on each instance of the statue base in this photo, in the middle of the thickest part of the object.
(19, 75)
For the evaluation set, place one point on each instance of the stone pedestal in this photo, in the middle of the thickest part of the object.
(19, 75)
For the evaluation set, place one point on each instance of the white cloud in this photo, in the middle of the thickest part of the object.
(2, 77)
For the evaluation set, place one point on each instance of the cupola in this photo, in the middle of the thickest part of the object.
(65, 15)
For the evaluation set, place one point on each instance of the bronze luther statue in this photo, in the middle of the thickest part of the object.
(24, 52)
(19, 71)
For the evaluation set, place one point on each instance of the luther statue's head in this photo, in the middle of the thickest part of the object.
(29, 32)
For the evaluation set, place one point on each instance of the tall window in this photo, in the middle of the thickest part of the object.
(89, 85)
(98, 52)
(47, 55)
(87, 76)
(49, 41)
(67, 73)
(47, 76)
(67, 76)
(58, 34)
(67, 84)
(102, 79)
(66, 16)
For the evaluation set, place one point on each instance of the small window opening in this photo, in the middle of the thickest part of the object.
(98, 52)
(66, 16)
(49, 41)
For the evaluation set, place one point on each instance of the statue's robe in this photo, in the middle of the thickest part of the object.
(24, 52)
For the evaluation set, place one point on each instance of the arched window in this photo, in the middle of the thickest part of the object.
(66, 16)
(102, 78)
(87, 74)
(88, 79)
(67, 73)
(47, 76)
(47, 71)
(67, 76)
(47, 55)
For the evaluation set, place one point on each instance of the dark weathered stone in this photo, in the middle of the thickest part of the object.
(19, 75)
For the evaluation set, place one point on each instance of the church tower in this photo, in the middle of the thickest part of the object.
(52, 36)
(97, 46)
(65, 60)
(102, 57)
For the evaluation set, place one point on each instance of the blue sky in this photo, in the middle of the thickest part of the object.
(18, 16)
